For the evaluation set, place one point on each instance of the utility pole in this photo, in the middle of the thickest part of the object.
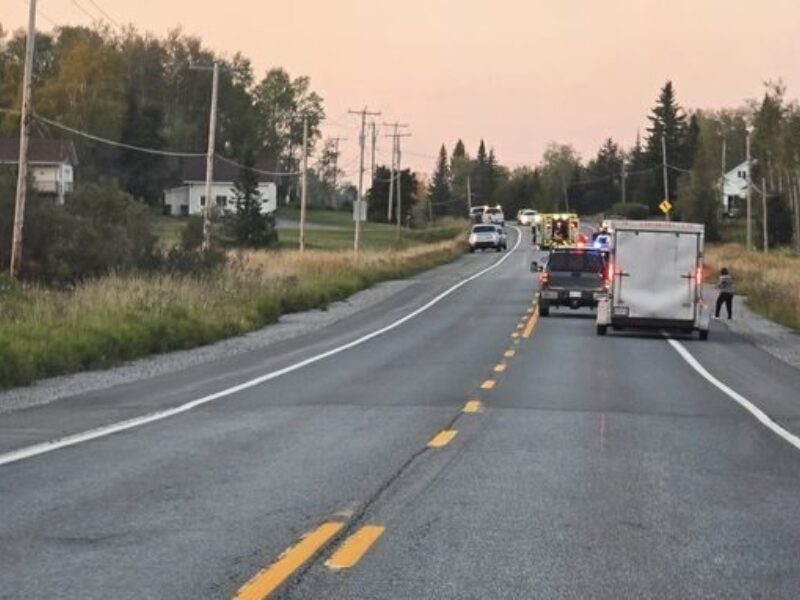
(764, 214)
(749, 190)
(566, 194)
(304, 184)
(391, 181)
(336, 141)
(723, 204)
(399, 192)
(372, 164)
(623, 181)
(664, 167)
(469, 192)
(395, 148)
(361, 142)
(24, 137)
(212, 136)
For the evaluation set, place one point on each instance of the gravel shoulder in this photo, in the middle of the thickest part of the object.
(775, 339)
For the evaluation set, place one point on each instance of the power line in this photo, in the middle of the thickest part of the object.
(97, 138)
(84, 10)
(42, 14)
(254, 170)
(105, 14)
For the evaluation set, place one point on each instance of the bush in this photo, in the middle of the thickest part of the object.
(631, 210)
(192, 234)
(101, 228)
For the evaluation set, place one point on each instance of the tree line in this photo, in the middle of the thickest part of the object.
(145, 91)
(693, 140)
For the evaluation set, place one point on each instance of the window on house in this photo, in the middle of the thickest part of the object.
(202, 200)
(222, 200)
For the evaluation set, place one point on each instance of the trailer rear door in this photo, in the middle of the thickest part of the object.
(655, 274)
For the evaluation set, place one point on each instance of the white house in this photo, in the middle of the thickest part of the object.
(190, 198)
(51, 163)
(735, 188)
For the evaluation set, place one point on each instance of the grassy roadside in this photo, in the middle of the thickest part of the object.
(771, 281)
(117, 318)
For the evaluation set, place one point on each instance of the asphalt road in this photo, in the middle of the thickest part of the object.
(591, 468)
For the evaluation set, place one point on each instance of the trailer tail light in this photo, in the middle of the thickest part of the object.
(699, 276)
(610, 274)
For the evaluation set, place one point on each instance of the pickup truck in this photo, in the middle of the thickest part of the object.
(573, 277)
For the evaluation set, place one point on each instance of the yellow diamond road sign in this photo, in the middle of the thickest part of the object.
(665, 206)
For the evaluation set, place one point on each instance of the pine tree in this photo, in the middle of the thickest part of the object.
(247, 224)
(439, 191)
(668, 120)
(480, 180)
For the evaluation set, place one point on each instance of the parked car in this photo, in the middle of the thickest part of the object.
(572, 277)
(487, 236)
(526, 216)
(494, 214)
(476, 213)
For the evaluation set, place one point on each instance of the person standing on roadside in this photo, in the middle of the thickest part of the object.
(725, 287)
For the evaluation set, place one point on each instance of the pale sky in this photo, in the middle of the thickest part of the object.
(517, 73)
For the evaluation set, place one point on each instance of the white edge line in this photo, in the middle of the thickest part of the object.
(759, 414)
(106, 430)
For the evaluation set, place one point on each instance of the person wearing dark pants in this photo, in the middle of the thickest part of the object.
(725, 297)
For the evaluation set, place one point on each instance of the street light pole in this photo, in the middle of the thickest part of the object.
(24, 138)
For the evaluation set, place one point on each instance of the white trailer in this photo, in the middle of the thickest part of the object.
(655, 273)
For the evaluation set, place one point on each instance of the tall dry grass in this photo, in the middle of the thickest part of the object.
(771, 281)
(100, 323)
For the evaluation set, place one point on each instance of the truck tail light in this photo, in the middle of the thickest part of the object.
(544, 277)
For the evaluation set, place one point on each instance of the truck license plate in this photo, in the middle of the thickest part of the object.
(550, 295)
(621, 311)
(575, 294)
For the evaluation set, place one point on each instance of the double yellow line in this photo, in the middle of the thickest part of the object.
(349, 553)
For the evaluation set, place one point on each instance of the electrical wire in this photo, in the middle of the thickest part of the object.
(96, 138)
(111, 19)
(84, 10)
(254, 170)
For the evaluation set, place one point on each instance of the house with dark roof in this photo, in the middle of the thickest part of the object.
(51, 163)
(190, 197)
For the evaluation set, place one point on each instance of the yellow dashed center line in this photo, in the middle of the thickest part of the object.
(355, 547)
(473, 406)
(499, 368)
(268, 580)
(442, 438)
(515, 335)
(488, 384)
(509, 353)
(531, 324)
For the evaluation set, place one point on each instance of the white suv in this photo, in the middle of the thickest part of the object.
(486, 236)
(494, 215)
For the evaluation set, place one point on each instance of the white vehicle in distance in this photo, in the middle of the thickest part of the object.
(494, 214)
(476, 213)
(526, 216)
(487, 236)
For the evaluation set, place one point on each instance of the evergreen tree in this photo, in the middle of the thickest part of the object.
(439, 191)
(247, 225)
(460, 171)
(667, 119)
(603, 172)
(481, 177)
